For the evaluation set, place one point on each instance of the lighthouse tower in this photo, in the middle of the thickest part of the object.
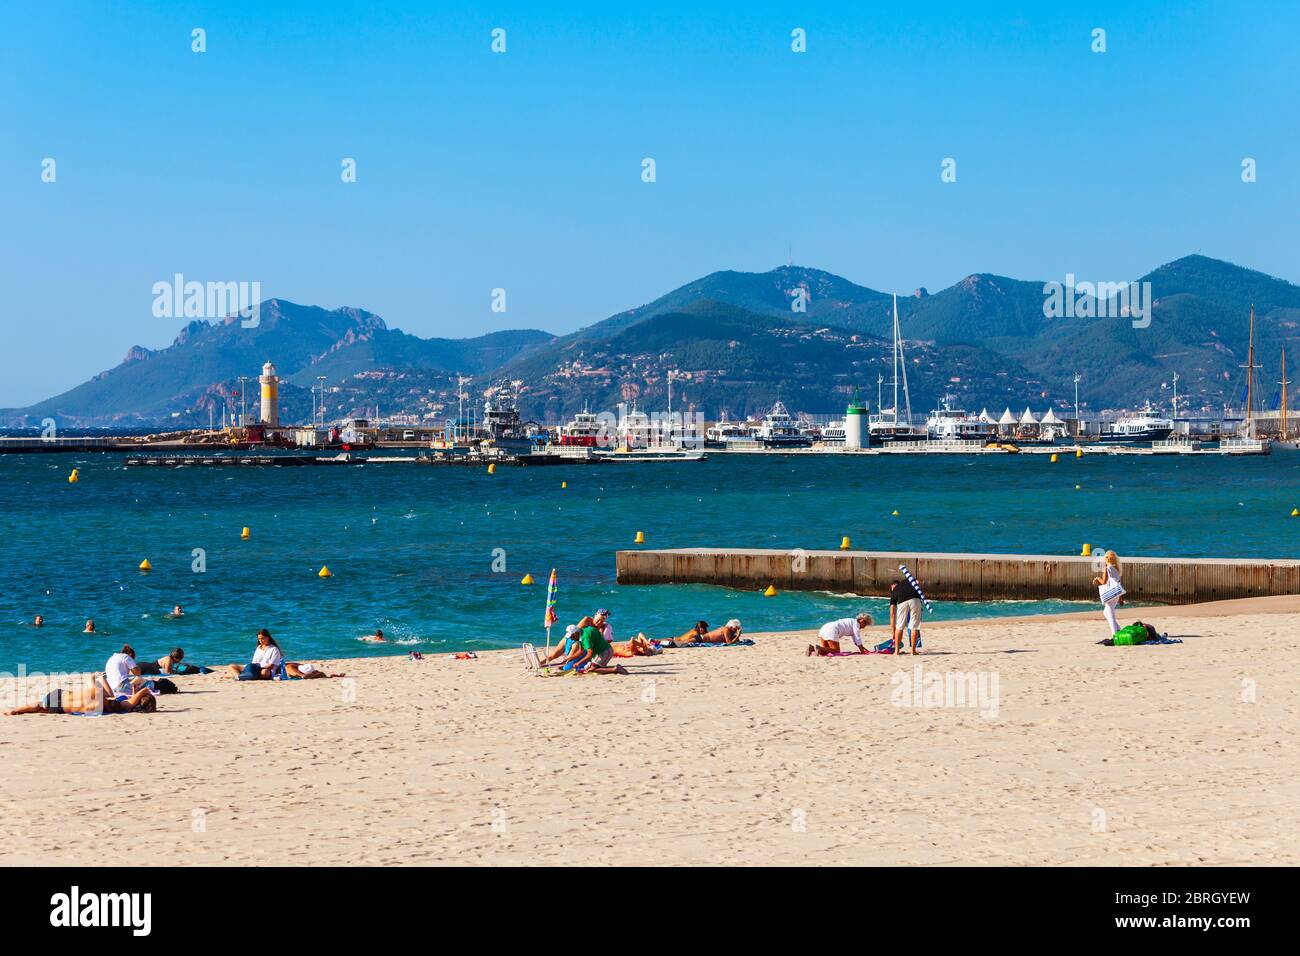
(270, 395)
(855, 417)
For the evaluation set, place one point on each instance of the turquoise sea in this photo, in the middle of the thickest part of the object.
(412, 547)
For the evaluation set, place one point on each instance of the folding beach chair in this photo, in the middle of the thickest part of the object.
(531, 659)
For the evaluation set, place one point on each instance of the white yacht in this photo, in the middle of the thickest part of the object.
(1137, 428)
(725, 431)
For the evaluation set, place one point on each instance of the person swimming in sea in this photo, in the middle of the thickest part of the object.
(90, 626)
(176, 612)
(376, 638)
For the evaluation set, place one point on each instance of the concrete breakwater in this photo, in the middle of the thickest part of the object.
(961, 577)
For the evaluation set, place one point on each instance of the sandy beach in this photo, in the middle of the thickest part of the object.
(1073, 753)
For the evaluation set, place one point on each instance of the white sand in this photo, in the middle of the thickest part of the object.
(1097, 755)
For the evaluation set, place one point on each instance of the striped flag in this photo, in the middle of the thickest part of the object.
(911, 579)
(550, 617)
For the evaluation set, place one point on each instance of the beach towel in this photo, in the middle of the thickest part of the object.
(1162, 639)
(745, 643)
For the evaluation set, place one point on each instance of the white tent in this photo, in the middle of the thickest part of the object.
(1028, 418)
(1051, 419)
(985, 416)
(1007, 418)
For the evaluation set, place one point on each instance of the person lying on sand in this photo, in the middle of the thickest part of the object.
(592, 654)
(693, 636)
(306, 671)
(639, 646)
(92, 700)
(171, 664)
(266, 660)
(833, 632)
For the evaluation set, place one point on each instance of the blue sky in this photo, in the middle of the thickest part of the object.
(523, 170)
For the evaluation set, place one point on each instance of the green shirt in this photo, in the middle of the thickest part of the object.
(593, 640)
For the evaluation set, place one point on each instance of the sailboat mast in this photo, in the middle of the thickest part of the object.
(1284, 383)
(1250, 377)
(898, 337)
(895, 410)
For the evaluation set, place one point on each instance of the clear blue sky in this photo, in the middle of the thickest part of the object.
(522, 170)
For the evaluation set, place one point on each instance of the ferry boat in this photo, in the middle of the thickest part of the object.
(833, 433)
(724, 432)
(954, 424)
(780, 430)
(586, 430)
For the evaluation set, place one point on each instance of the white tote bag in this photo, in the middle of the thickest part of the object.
(1112, 590)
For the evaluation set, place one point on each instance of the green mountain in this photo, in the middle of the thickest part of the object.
(734, 341)
(202, 366)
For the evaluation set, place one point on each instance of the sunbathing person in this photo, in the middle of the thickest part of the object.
(833, 632)
(306, 671)
(729, 633)
(639, 646)
(693, 636)
(91, 700)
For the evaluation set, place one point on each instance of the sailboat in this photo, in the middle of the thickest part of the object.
(1285, 440)
(885, 428)
(1246, 441)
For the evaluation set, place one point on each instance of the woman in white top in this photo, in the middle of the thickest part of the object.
(266, 660)
(833, 632)
(1109, 589)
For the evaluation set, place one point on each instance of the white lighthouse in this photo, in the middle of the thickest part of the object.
(270, 383)
(854, 418)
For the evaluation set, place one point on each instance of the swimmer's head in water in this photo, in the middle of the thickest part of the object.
(40, 621)
(379, 634)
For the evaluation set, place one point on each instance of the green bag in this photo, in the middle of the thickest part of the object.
(1135, 633)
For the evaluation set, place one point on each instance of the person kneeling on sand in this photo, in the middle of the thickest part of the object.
(833, 632)
(92, 700)
(592, 654)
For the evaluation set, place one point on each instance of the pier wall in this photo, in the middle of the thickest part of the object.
(961, 577)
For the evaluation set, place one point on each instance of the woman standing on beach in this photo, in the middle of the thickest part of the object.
(1109, 589)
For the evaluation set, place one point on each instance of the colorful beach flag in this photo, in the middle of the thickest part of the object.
(550, 617)
(911, 579)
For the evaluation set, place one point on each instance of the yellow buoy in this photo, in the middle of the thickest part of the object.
(73, 478)
(1086, 552)
(640, 538)
(1078, 453)
(492, 469)
(771, 591)
(1295, 512)
(145, 565)
(528, 579)
(1053, 458)
(245, 534)
(845, 545)
(895, 513)
(325, 572)
(564, 484)
(1077, 487)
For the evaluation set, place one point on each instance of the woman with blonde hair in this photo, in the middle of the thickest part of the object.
(1109, 588)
